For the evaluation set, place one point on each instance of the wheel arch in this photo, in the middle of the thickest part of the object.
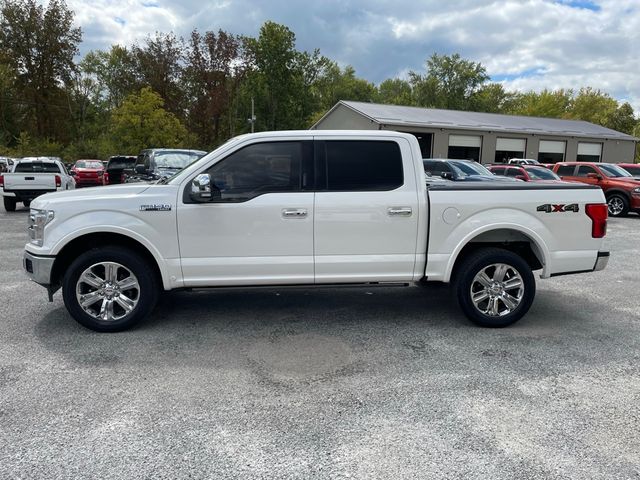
(524, 242)
(92, 240)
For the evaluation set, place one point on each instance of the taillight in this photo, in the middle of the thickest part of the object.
(598, 214)
(58, 181)
(1, 180)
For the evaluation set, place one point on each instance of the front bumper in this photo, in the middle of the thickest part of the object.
(601, 261)
(38, 268)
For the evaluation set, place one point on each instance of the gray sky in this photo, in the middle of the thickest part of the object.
(526, 44)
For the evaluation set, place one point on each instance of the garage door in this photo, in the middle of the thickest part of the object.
(551, 151)
(511, 144)
(589, 152)
(465, 147)
(465, 141)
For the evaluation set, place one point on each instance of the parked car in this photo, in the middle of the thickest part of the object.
(157, 163)
(87, 173)
(526, 173)
(632, 168)
(460, 170)
(523, 161)
(32, 177)
(621, 190)
(311, 208)
(6, 164)
(118, 168)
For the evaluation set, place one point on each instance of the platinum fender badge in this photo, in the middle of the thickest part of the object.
(156, 207)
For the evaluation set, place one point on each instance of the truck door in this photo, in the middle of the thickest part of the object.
(366, 211)
(258, 228)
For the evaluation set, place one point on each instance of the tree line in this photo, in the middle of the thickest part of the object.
(197, 91)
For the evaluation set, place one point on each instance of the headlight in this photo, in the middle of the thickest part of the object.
(636, 190)
(38, 219)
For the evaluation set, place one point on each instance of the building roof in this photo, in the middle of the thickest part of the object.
(454, 119)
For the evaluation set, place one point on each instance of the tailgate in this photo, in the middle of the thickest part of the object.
(29, 181)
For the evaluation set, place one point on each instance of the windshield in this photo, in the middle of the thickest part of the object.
(613, 171)
(175, 160)
(541, 173)
(89, 164)
(471, 168)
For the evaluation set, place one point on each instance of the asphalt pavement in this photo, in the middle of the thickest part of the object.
(367, 383)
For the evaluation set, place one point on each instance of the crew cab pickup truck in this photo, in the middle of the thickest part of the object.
(31, 177)
(310, 208)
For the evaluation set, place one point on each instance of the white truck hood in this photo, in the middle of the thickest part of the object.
(110, 192)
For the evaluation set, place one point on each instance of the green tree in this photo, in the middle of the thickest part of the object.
(39, 44)
(491, 98)
(547, 103)
(142, 122)
(395, 91)
(449, 82)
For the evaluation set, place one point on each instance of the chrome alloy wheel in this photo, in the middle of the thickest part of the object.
(108, 291)
(497, 290)
(615, 206)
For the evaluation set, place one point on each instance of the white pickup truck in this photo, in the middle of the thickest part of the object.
(31, 177)
(310, 208)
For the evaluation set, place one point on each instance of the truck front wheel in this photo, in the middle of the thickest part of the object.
(9, 204)
(495, 287)
(109, 289)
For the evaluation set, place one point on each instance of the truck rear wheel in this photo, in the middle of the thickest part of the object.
(494, 287)
(9, 204)
(109, 289)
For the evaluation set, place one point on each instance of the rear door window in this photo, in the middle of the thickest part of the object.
(353, 165)
(514, 172)
(566, 170)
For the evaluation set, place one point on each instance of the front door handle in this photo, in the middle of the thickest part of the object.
(399, 211)
(294, 213)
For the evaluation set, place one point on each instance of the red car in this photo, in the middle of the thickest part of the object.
(87, 173)
(632, 168)
(527, 173)
(621, 190)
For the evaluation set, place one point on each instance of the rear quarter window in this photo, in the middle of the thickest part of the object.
(566, 170)
(37, 167)
(353, 165)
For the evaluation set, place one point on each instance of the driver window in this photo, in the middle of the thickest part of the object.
(258, 169)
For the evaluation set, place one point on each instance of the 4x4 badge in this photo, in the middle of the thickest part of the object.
(549, 208)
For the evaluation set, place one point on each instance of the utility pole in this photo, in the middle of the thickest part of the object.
(252, 120)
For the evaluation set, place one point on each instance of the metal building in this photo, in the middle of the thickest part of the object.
(486, 137)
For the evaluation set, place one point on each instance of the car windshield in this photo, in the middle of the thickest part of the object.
(470, 168)
(613, 171)
(175, 160)
(37, 167)
(89, 164)
(541, 173)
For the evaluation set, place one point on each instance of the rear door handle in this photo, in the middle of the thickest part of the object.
(294, 213)
(399, 211)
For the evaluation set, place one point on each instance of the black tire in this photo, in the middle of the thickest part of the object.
(9, 204)
(484, 260)
(146, 296)
(618, 205)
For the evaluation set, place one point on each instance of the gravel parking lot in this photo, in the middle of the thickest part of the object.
(327, 383)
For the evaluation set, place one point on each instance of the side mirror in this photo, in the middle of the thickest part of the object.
(201, 189)
(595, 176)
(140, 169)
(447, 175)
(522, 177)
